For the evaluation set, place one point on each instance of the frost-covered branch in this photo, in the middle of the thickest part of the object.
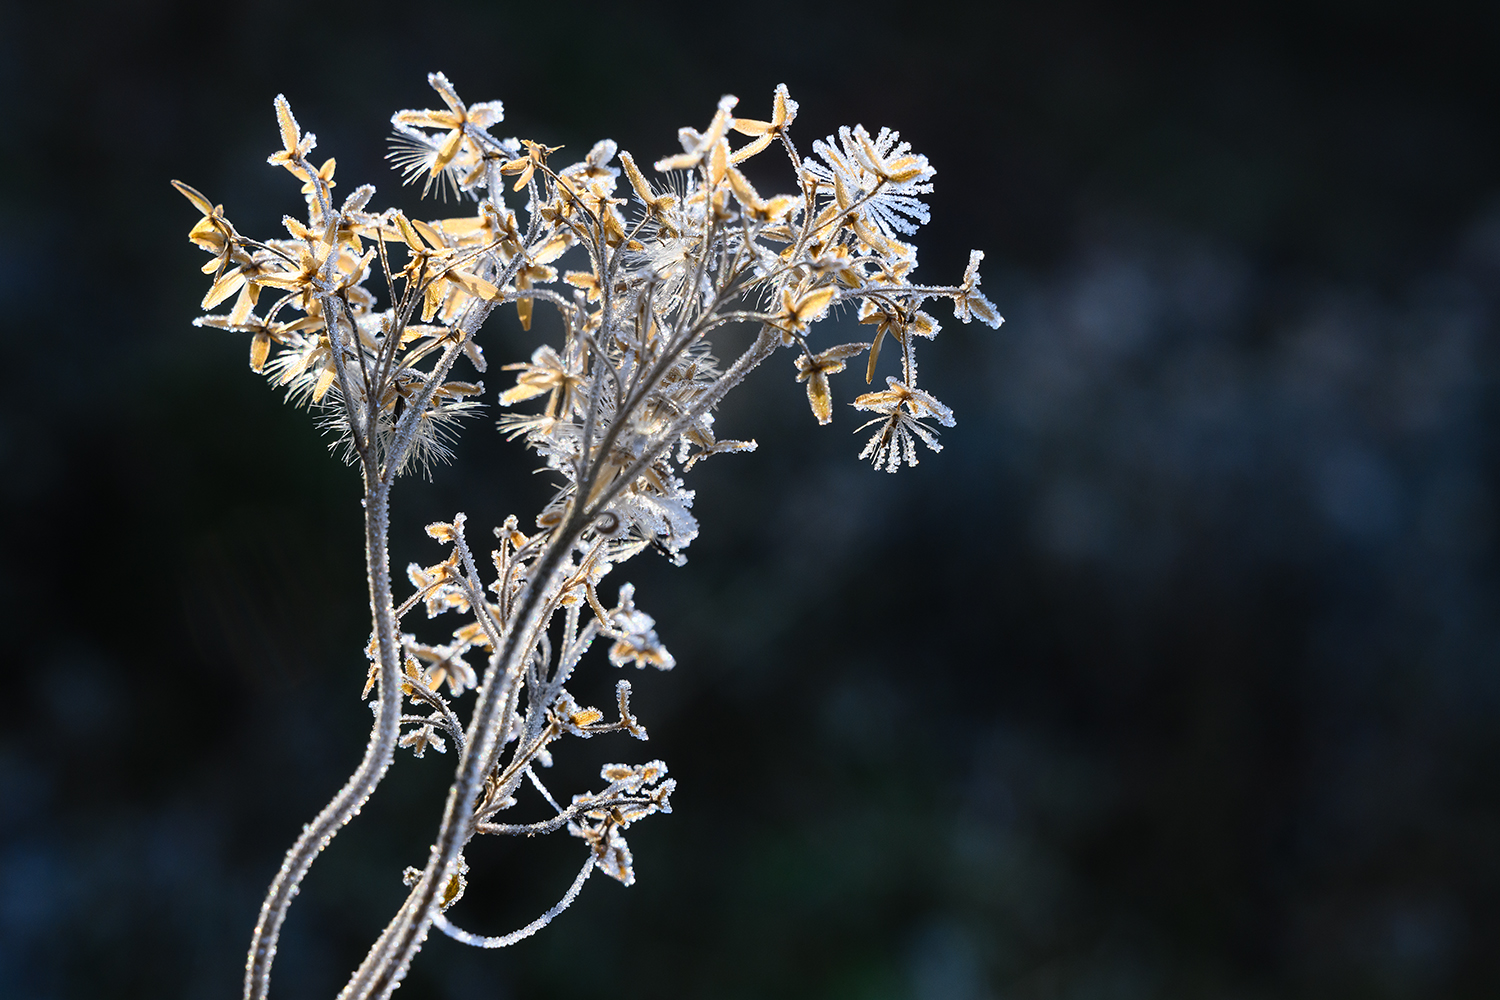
(652, 281)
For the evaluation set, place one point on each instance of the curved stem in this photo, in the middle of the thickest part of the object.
(505, 941)
(378, 753)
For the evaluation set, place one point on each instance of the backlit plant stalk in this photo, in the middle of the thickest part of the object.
(666, 276)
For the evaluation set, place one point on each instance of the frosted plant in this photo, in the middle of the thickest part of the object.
(649, 280)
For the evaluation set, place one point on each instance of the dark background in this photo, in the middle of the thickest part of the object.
(1174, 675)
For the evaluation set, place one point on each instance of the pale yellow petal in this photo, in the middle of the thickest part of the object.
(718, 162)
(819, 397)
(474, 285)
(407, 232)
(814, 303)
(749, 126)
(227, 285)
(324, 381)
(432, 236)
(637, 179)
(260, 349)
(874, 356)
(550, 251)
(290, 133)
(195, 196)
(750, 149)
(447, 152)
(521, 392)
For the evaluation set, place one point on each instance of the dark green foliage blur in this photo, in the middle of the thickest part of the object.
(1176, 674)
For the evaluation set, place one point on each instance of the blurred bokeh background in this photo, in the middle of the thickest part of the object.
(1174, 675)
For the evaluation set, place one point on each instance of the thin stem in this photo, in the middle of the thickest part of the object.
(560, 820)
(378, 753)
(505, 941)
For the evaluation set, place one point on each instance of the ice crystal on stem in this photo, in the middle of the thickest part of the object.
(653, 282)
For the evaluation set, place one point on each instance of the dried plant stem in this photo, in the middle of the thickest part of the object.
(388, 959)
(372, 767)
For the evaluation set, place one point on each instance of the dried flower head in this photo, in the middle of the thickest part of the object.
(646, 278)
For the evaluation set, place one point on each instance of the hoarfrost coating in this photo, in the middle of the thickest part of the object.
(652, 281)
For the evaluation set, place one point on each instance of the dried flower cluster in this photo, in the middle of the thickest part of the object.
(622, 407)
